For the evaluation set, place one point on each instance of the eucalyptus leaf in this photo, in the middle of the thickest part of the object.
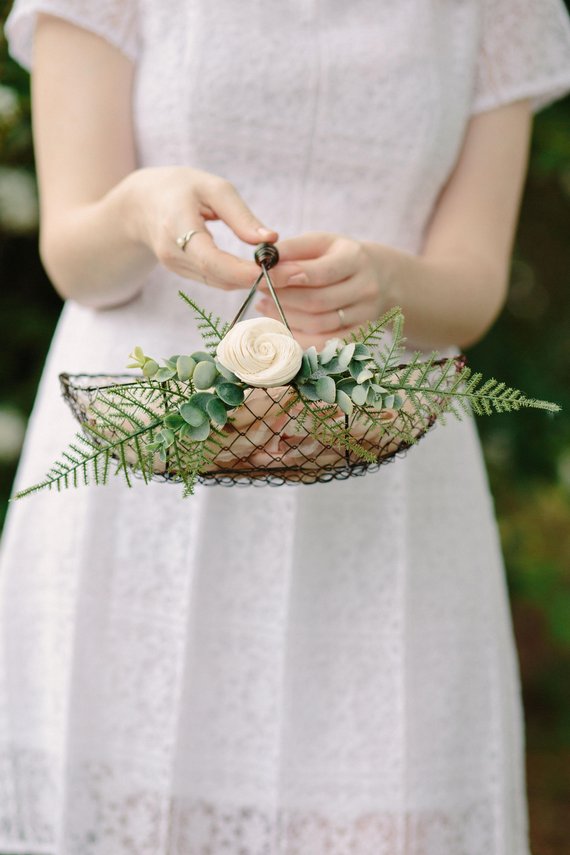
(326, 389)
(329, 350)
(164, 374)
(359, 395)
(344, 402)
(389, 401)
(185, 366)
(138, 354)
(192, 414)
(166, 436)
(150, 368)
(309, 390)
(201, 432)
(345, 355)
(226, 373)
(174, 421)
(201, 400)
(217, 412)
(305, 369)
(355, 368)
(320, 372)
(311, 354)
(230, 393)
(364, 375)
(361, 352)
(204, 375)
(347, 384)
(333, 366)
(373, 399)
(202, 356)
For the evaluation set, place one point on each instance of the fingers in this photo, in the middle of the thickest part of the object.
(327, 324)
(337, 259)
(330, 297)
(224, 200)
(201, 260)
(309, 245)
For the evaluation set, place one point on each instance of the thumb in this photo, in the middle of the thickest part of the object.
(230, 207)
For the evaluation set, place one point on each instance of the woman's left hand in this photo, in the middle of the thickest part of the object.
(328, 285)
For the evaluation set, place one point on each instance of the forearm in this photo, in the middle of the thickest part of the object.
(447, 301)
(454, 290)
(92, 253)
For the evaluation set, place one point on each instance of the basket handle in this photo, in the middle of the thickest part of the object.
(266, 256)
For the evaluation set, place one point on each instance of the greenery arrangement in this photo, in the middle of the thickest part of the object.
(354, 398)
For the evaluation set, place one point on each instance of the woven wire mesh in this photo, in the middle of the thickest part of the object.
(266, 441)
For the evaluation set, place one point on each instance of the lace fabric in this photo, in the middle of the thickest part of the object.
(145, 823)
(321, 669)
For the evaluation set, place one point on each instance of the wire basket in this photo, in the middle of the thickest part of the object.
(265, 441)
(212, 417)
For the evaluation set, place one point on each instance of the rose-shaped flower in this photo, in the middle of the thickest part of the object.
(261, 352)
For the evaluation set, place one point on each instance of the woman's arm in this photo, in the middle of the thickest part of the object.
(104, 223)
(454, 290)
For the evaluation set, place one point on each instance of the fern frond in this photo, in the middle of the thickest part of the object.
(211, 328)
(458, 393)
(81, 464)
(371, 334)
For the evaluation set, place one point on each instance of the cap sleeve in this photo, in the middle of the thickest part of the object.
(113, 20)
(524, 52)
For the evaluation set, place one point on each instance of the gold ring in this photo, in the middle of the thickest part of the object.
(185, 239)
(341, 317)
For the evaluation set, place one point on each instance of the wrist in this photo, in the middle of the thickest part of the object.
(127, 200)
(393, 270)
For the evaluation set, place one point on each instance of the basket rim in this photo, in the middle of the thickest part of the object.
(69, 379)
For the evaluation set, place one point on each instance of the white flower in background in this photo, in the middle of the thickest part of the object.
(18, 201)
(261, 352)
(9, 105)
(12, 429)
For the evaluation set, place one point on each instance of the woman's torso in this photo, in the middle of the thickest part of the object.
(325, 115)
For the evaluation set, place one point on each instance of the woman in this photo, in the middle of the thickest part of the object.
(323, 670)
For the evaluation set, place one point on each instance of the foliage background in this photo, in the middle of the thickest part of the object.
(528, 455)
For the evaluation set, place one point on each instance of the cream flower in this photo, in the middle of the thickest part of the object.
(261, 352)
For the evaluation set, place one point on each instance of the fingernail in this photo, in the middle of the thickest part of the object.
(265, 232)
(298, 279)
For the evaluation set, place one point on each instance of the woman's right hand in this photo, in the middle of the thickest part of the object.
(166, 202)
(105, 222)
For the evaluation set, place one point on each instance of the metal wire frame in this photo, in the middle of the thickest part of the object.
(285, 460)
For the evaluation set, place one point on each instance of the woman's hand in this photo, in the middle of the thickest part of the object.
(105, 223)
(454, 289)
(165, 202)
(338, 287)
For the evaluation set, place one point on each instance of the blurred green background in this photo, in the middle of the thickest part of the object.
(528, 454)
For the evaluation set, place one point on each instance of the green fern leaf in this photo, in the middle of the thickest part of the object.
(211, 327)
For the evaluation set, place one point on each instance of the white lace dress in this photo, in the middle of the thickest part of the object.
(324, 670)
